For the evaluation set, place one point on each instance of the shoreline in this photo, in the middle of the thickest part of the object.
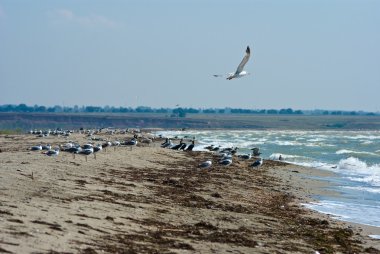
(151, 199)
(308, 187)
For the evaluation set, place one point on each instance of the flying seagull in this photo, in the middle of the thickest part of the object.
(239, 71)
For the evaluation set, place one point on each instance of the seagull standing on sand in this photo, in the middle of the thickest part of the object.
(245, 156)
(206, 164)
(190, 147)
(239, 71)
(131, 143)
(54, 152)
(36, 148)
(257, 163)
(225, 162)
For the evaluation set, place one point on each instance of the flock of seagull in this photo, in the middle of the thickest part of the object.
(225, 155)
(87, 148)
(181, 146)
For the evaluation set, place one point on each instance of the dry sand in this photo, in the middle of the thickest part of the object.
(155, 200)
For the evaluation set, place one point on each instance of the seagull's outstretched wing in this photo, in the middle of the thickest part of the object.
(244, 61)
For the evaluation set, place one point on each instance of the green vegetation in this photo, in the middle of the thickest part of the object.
(175, 112)
(10, 131)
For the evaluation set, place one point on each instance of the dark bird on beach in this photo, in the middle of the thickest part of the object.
(191, 146)
(106, 144)
(46, 147)
(177, 147)
(98, 148)
(256, 151)
(131, 143)
(205, 164)
(182, 147)
(226, 162)
(88, 146)
(257, 163)
(87, 151)
(74, 149)
(245, 156)
(215, 149)
(210, 147)
(36, 148)
(167, 144)
(234, 151)
(51, 152)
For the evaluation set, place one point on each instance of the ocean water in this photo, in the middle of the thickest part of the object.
(353, 155)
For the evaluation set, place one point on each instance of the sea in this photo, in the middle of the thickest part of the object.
(354, 157)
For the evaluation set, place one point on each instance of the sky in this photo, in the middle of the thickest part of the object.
(311, 54)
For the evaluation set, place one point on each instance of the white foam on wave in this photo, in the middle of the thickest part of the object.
(276, 156)
(286, 143)
(359, 171)
(346, 151)
(317, 164)
(302, 161)
(361, 188)
(348, 211)
(316, 140)
(373, 180)
(375, 236)
(361, 136)
(353, 164)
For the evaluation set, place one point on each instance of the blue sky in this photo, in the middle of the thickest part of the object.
(306, 54)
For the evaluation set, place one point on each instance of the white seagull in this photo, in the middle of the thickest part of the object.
(239, 73)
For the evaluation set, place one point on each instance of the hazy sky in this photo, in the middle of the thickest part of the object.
(306, 54)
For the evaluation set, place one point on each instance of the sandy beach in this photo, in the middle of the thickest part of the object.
(153, 200)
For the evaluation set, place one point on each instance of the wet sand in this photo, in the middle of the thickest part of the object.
(154, 200)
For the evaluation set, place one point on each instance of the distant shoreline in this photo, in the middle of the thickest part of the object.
(27, 121)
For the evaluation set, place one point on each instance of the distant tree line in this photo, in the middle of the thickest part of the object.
(174, 112)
